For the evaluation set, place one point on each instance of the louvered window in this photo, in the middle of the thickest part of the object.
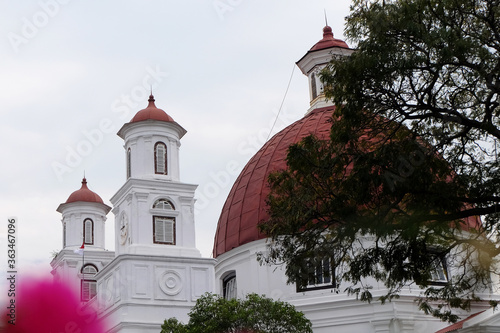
(88, 231)
(164, 230)
(89, 290)
(160, 158)
(88, 286)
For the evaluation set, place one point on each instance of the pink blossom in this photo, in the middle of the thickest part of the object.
(44, 306)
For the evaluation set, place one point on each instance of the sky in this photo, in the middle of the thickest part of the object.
(72, 72)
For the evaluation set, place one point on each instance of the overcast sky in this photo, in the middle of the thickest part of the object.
(72, 72)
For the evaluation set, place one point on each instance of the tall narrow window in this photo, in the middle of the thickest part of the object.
(229, 290)
(88, 283)
(129, 167)
(164, 230)
(313, 86)
(88, 231)
(160, 158)
(64, 234)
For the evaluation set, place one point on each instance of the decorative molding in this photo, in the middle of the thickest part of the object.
(170, 282)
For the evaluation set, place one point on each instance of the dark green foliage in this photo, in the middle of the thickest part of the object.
(411, 159)
(258, 314)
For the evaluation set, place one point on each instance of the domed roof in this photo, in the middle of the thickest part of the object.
(245, 206)
(328, 41)
(84, 194)
(151, 112)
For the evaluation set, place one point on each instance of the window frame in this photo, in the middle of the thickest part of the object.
(229, 281)
(88, 286)
(129, 163)
(314, 88)
(304, 278)
(170, 218)
(165, 171)
(165, 202)
(88, 289)
(85, 241)
(439, 266)
(64, 234)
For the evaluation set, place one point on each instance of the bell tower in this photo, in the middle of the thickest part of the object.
(154, 211)
(315, 60)
(83, 254)
(157, 269)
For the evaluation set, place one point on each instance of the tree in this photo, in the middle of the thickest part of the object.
(258, 314)
(411, 162)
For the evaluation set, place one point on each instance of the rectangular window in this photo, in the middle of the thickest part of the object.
(88, 290)
(164, 230)
(316, 274)
(439, 272)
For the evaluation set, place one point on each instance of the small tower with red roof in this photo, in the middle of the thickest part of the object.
(316, 59)
(83, 254)
(83, 217)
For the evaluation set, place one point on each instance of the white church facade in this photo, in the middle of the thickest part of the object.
(156, 272)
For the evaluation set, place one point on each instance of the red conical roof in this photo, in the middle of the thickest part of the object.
(84, 194)
(151, 112)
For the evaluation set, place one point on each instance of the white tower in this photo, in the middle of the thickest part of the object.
(158, 272)
(83, 254)
(315, 60)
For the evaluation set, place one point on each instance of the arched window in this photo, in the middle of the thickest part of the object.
(89, 270)
(229, 290)
(129, 168)
(88, 284)
(88, 231)
(160, 158)
(313, 86)
(163, 204)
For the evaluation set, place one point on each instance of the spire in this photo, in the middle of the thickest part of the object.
(84, 183)
(151, 101)
(326, 19)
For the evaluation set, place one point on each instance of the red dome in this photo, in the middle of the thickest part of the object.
(328, 41)
(84, 194)
(151, 112)
(245, 206)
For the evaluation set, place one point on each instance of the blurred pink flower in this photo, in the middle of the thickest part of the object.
(44, 306)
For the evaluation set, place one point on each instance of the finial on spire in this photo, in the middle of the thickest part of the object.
(326, 18)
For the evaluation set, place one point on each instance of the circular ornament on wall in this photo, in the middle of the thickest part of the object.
(171, 283)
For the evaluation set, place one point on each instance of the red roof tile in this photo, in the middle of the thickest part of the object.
(458, 325)
(245, 206)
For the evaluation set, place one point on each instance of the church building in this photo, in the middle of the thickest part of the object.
(156, 272)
